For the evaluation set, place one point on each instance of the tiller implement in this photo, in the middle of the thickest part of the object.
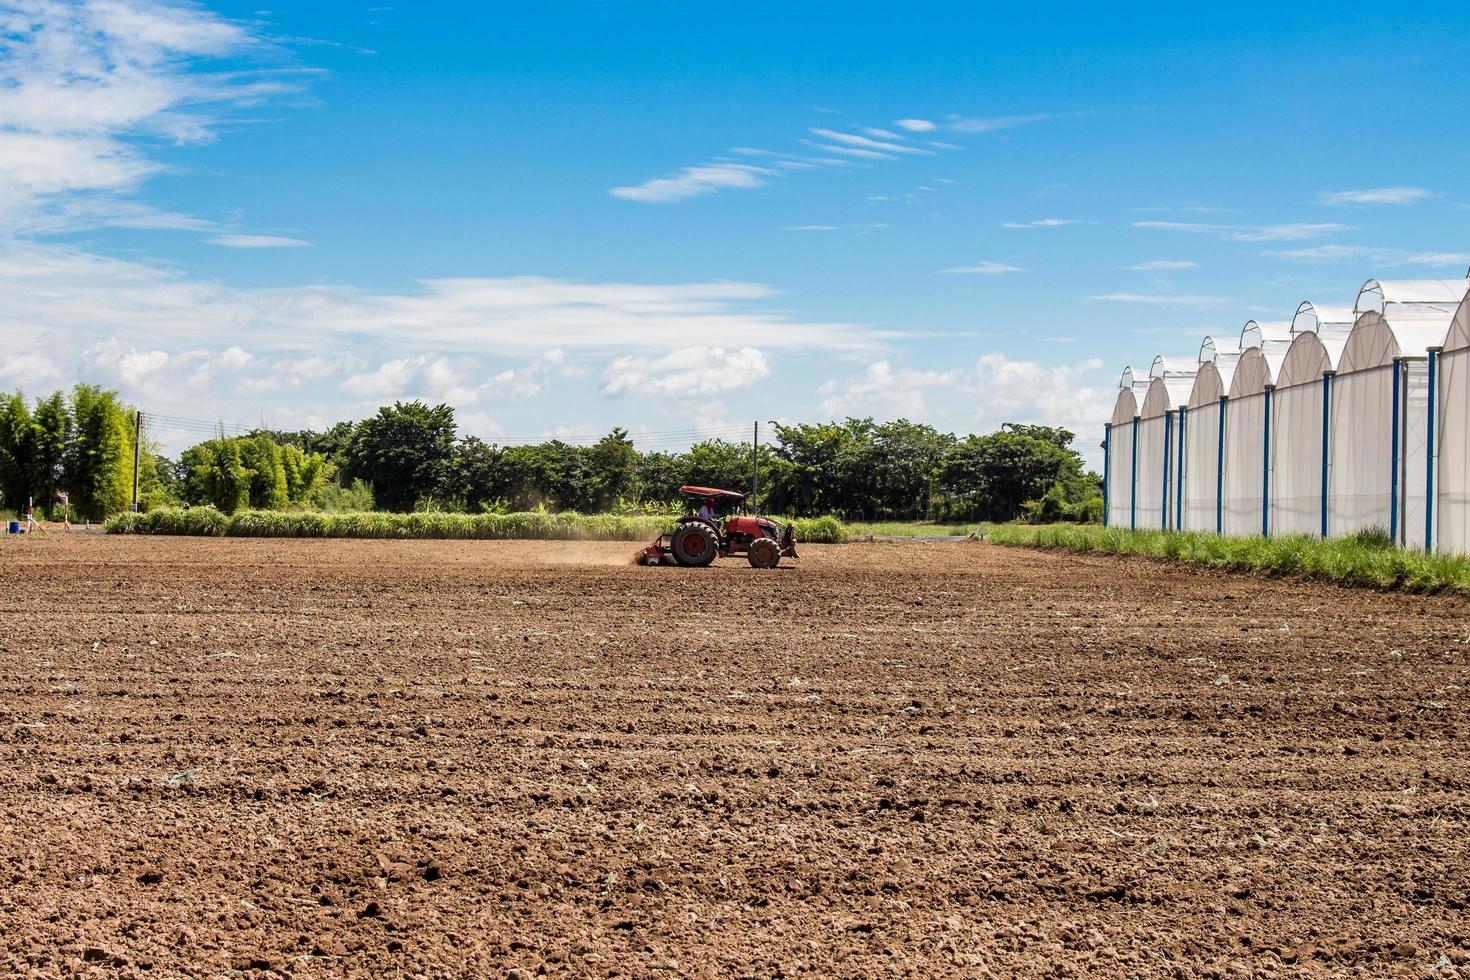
(698, 540)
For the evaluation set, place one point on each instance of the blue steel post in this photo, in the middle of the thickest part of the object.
(1429, 453)
(1266, 471)
(1168, 445)
(1393, 480)
(1107, 448)
(1220, 472)
(1133, 482)
(1179, 476)
(1326, 440)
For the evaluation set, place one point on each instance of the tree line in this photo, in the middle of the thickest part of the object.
(408, 456)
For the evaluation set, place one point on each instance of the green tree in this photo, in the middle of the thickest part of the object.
(990, 477)
(659, 477)
(612, 465)
(51, 429)
(480, 475)
(405, 452)
(98, 466)
(719, 464)
(15, 435)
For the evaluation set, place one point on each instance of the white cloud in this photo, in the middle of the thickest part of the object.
(1045, 223)
(429, 377)
(258, 241)
(1162, 265)
(688, 372)
(863, 142)
(867, 146)
(1378, 195)
(983, 269)
(694, 181)
(1248, 233)
(996, 389)
(1378, 256)
(85, 298)
(1162, 299)
(531, 380)
(989, 124)
(1435, 258)
(84, 83)
(881, 390)
(24, 369)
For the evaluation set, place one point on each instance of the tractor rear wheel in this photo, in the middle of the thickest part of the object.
(763, 553)
(694, 545)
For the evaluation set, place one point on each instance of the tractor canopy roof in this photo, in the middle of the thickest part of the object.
(710, 492)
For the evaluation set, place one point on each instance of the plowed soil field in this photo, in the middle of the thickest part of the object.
(324, 758)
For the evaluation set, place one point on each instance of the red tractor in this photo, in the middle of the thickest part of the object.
(702, 534)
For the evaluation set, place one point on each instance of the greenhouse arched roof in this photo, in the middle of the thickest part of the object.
(1459, 336)
(1376, 340)
(1255, 372)
(1125, 408)
(1310, 356)
(1211, 384)
(1164, 395)
(1435, 295)
(1322, 319)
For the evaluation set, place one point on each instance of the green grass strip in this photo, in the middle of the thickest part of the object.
(534, 526)
(1362, 560)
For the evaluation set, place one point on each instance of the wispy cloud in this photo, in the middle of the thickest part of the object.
(1248, 233)
(867, 143)
(1378, 195)
(1162, 265)
(982, 269)
(258, 241)
(990, 124)
(694, 181)
(1378, 256)
(86, 87)
(825, 147)
(1162, 299)
(1045, 223)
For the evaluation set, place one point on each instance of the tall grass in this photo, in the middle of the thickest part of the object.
(1363, 560)
(566, 526)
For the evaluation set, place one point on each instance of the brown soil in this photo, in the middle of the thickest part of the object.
(446, 758)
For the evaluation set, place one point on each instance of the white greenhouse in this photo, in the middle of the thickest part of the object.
(1321, 425)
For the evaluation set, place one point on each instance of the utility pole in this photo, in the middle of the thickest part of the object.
(137, 446)
(755, 458)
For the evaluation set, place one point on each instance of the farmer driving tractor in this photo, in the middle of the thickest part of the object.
(701, 535)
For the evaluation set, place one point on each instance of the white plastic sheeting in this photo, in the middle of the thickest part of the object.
(1361, 473)
(1379, 475)
(1296, 459)
(1452, 442)
(1370, 363)
(1245, 454)
(1452, 437)
(1153, 434)
(1202, 444)
(1120, 459)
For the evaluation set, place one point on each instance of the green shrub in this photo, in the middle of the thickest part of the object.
(1363, 559)
(529, 525)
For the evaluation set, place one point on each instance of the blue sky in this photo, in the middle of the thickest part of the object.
(564, 216)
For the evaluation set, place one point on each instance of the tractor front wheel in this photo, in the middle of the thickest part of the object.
(694, 545)
(763, 553)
